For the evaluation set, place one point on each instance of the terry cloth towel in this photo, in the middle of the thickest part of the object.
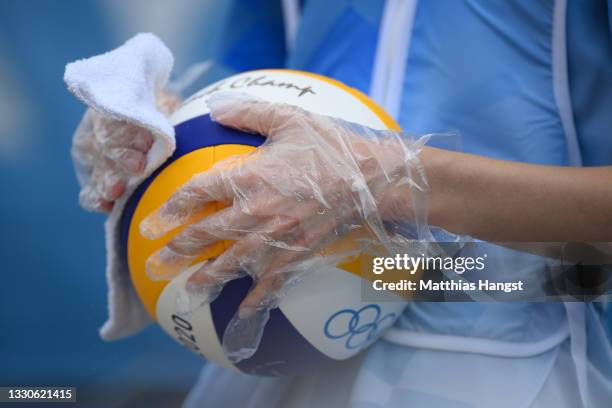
(122, 84)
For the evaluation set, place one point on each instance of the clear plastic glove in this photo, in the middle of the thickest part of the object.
(106, 152)
(315, 180)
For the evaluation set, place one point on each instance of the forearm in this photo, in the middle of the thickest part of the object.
(498, 200)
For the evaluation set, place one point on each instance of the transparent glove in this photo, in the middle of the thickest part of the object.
(315, 180)
(106, 152)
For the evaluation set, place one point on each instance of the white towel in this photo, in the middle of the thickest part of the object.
(122, 84)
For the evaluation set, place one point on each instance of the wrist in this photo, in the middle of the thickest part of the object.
(395, 176)
(397, 171)
(441, 167)
(427, 178)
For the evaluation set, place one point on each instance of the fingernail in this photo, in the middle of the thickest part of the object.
(242, 336)
(161, 221)
(118, 189)
(166, 264)
(134, 165)
(222, 102)
(112, 186)
(224, 99)
(106, 206)
(152, 226)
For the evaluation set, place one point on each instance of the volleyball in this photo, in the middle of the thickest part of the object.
(322, 319)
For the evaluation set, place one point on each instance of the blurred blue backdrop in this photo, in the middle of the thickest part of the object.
(53, 291)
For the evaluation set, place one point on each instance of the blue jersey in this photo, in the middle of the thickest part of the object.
(522, 80)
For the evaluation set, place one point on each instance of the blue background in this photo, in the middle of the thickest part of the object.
(53, 290)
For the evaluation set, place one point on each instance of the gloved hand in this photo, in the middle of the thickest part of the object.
(106, 152)
(315, 180)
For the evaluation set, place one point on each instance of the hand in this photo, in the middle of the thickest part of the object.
(312, 182)
(107, 152)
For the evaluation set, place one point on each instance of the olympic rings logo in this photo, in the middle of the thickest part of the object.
(359, 327)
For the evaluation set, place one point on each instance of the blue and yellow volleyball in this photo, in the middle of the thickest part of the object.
(325, 317)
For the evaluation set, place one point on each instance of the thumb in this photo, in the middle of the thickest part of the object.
(252, 114)
(243, 334)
